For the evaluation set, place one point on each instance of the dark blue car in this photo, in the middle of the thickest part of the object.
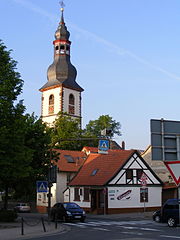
(169, 213)
(67, 212)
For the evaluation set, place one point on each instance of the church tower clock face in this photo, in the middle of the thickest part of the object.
(61, 93)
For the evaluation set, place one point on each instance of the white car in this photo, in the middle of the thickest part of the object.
(22, 207)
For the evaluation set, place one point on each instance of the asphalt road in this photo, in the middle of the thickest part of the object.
(94, 229)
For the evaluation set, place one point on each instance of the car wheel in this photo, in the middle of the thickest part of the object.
(171, 222)
(157, 218)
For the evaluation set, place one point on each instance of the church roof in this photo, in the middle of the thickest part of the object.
(61, 71)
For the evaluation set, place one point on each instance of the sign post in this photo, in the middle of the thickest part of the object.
(143, 180)
(165, 142)
(174, 169)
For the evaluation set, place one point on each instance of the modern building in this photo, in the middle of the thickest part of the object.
(170, 190)
(61, 93)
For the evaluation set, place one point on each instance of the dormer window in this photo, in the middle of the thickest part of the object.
(51, 104)
(69, 158)
(71, 104)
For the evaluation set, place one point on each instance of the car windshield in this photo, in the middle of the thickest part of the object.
(70, 205)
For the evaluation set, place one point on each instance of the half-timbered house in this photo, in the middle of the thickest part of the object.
(120, 181)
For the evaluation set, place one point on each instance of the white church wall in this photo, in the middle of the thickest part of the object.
(76, 94)
(45, 104)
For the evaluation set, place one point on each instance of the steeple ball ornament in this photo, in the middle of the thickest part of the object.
(62, 32)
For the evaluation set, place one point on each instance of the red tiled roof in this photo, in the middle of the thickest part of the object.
(65, 166)
(107, 164)
(90, 150)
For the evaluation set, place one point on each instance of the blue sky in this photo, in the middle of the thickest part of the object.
(126, 53)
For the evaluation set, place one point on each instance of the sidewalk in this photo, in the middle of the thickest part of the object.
(13, 231)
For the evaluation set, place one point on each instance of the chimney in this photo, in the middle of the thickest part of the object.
(123, 145)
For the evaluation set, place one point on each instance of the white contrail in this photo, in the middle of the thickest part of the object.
(113, 47)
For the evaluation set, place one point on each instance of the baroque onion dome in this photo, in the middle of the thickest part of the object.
(61, 71)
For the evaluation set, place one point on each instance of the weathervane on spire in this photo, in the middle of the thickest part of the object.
(62, 5)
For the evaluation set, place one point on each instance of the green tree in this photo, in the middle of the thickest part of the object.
(14, 155)
(66, 133)
(95, 127)
(37, 139)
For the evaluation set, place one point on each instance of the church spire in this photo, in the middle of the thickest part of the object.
(61, 71)
(62, 10)
(61, 93)
(62, 32)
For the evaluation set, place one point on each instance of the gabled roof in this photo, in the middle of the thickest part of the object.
(98, 169)
(89, 150)
(70, 161)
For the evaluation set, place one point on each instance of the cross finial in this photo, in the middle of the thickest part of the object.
(62, 5)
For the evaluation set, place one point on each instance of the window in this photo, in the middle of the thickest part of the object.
(68, 177)
(139, 173)
(67, 48)
(129, 174)
(71, 99)
(143, 194)
(51, 104)
(94, 172)
(76, 194)
(69, 158)
(71, 109)
(57, 47)
(62, 47)
(71, 104)
(86, 194)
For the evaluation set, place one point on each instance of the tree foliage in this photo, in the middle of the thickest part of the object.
(14, 155)
(24, 139)
(94, 127)
(37, 140)
(66, 133)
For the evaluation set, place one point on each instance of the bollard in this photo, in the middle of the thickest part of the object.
(22, 226)
(44, 228)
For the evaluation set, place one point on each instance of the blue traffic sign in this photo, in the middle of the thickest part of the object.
(103, 145)
(42, 186)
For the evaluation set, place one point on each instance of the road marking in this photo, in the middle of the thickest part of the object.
(170, 236)
(150, 229)
(134, 233)
(102, 223)
(73, 224)
(101, 229)
(125, 224)
(126, 227)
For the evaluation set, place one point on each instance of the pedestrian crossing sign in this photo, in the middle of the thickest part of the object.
(42, 186)
(103, 146)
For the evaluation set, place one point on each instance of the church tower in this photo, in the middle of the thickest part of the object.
(61, 93)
